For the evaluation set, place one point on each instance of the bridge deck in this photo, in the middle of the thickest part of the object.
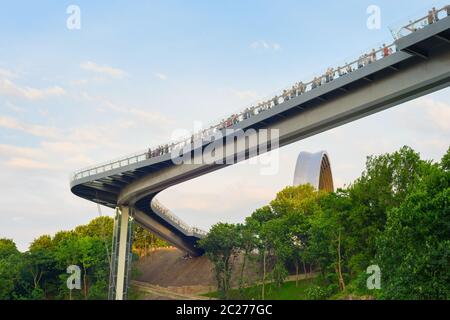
(106, 184)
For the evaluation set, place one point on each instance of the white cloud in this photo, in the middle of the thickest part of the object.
(68, 149)
(106, 70)
(9, 88)
(161, 76)
(89, 81)
(7, 73)
(14, 107)
(8, 150)
(438, 113)
(33, 129)
(246, 94)
(262, 44)
(141, 114)
(27, 163)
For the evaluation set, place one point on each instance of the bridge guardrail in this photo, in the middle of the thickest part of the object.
(418, 24)
(164, 212)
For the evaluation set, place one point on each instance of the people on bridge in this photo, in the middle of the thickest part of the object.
(386, 51)
(286, 95)
(361, 62)
(435, 14)
(246, 113)
(373, 56)
(275, 100)
(329, 75)
(349, 68)
(299, 88)
(430, 17)
(293, 91)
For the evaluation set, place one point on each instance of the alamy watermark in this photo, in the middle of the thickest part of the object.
(74, 280)
(229, 146)
(374, 19)
(374, 280)
(73, 22)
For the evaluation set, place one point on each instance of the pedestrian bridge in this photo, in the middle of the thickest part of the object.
(418, 65)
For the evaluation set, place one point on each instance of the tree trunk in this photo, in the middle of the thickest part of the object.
(85, 283)
(264, 274)
(35, 281)
(339, 267)
(296, 273)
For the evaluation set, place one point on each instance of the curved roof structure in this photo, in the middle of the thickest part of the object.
(314, 169)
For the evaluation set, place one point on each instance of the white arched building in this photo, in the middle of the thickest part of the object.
(315, 169)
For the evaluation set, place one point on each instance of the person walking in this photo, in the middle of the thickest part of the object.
(385, 51)
(349, 68)
(430, 17)
(373, 56)
(435, 14)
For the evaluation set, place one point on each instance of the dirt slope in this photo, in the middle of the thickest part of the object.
(167, 268)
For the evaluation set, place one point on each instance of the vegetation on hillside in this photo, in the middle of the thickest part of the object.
(40, 273)
(395, 216)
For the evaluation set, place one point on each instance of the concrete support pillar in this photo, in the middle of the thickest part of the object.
(122, 253)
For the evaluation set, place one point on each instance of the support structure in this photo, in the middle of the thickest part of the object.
(402, 76)
(121, 254)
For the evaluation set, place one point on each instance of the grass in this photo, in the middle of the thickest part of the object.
(288, 291)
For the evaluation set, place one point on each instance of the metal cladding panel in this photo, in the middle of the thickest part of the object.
(311, 168)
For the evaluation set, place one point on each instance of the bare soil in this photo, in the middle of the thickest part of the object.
(167, 268)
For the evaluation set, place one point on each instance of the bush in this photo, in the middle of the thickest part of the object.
(317, 293)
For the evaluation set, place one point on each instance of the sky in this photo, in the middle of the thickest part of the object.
(135, 72)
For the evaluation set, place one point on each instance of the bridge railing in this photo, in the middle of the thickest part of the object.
(166, 213)
(260, 107)
(110, 165)
(421, 23)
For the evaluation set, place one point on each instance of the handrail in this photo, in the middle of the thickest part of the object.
(288, 93)
(166, 213)
(422, 22)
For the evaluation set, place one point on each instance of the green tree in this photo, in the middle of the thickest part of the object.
(295, 206)
(383, 186)
(274, 234)
(414, 249)
(145, 241)
(330, 241)
(13, 281)
(7, 248)
(221, 245)
(40, 263)
(247, 242)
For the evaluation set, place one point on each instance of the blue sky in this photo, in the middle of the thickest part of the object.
(137, 71)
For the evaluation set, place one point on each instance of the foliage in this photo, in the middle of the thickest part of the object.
(40, 273)
(414, 249)
(290, 290)
(395, 215)
(317, 293)
(221, 245)
(7, 248)
(144, 242)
